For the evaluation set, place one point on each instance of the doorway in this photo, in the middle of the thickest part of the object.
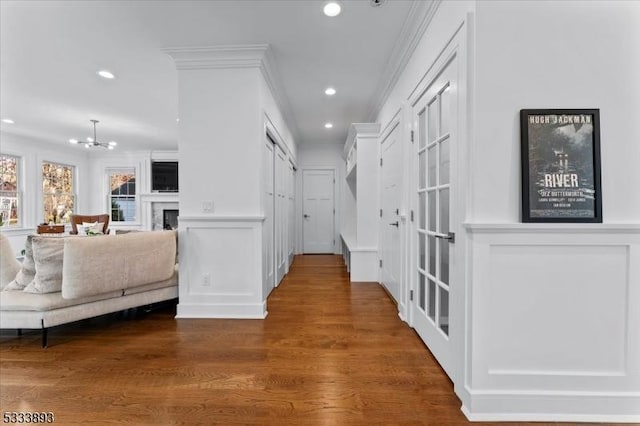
(318, 211)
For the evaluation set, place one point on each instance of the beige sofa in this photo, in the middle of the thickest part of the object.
(83, 277)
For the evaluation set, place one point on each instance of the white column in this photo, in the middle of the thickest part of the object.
(220, 186)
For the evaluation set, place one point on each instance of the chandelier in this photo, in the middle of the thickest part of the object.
(93, 142)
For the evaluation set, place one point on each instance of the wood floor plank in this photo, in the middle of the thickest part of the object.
(330, 352)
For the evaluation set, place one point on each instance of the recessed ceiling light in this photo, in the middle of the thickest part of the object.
(330, 91)
(332, 8)
(73, 140)
(89, 139)
(113, 143)
(106, 74)
(178, 120)
(8, 121)
(328, 125)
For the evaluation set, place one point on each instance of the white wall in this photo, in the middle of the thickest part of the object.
(316, 155)
(33, 153)
(559, 342)
(533, 54)
(219, 130)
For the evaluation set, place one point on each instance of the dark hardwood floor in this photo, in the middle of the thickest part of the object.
(329, 353)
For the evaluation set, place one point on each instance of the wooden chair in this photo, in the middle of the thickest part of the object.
(79, 219)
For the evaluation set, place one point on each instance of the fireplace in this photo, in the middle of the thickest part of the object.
(169, 219)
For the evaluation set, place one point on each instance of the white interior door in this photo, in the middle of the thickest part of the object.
(268, 230)
(281, 213)
(435, 119)
(317, 211)
(292, 211)
(391, 186)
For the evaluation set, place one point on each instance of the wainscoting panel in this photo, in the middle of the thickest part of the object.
(220, 267)
(555, 317)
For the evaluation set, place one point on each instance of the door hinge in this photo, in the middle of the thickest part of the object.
(411, 215)
(381, 162)
(397, 212)
(381, 263)
(334, 211)
(411, 295)
(380, 212)
(412, 136)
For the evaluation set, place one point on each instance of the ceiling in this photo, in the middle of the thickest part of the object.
(51, 51)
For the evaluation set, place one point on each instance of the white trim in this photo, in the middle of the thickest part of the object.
(582, 228)
(546, 417)
(211, 218)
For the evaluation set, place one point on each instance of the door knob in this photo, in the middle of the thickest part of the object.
(306, 216)
(396, 224)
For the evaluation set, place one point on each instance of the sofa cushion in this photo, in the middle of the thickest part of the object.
(101, 265)
(9, 266)
(27, 269)
(20, 301)
(173, 281)
(47, 255)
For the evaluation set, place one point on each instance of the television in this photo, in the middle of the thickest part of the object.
(164, 176)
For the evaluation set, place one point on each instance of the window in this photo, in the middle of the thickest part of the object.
(122, 195)
(58, 192)
(9, 190)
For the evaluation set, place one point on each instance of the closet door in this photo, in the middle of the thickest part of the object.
(268, 227)
(281, 213)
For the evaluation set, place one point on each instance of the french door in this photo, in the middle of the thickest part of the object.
(435, 119)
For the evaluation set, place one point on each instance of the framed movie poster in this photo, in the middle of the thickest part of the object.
(560, 165)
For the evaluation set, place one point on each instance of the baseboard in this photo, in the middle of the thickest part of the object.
(579, 407)
(229, 311)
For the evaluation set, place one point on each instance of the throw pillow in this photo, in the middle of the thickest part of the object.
(47, 255)
(9, 266)
(27, 270)
(88, 228)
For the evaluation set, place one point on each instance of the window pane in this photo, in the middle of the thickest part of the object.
(422, 210)
(57, 190)
(58, 208)
(445, 110)
(443, 317)
(432, 255)
(9, 195)
(431, 206)
(431, 168)
(444, 162)
(422, 295)
(421, 170)
(123, 209)
(8, 173)
(421, 130)
(433, 118)
(123, 184)
(432, 300)
(444, 210)
(444, 261)
(421, 251)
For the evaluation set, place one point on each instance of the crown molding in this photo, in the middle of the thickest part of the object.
(238, 56)
(360, 130)
(414, 27)
(216, 57)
